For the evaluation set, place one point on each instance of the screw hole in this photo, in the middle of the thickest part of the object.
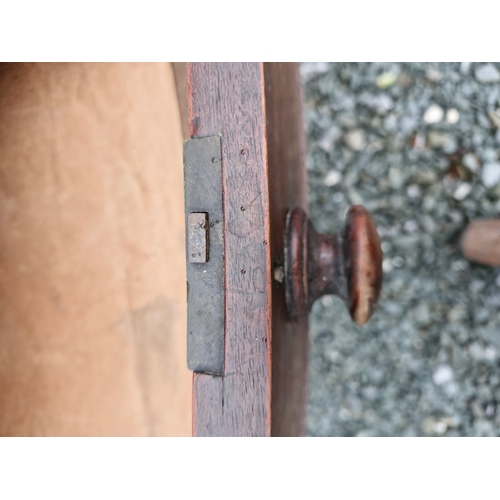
(243, 271)
(242, 208)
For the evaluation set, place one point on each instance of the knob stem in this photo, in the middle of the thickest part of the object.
(347, 264)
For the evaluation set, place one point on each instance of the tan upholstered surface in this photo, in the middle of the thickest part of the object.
(92, 272)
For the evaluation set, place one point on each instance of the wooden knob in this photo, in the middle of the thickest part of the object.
(347, 264)
(480, 242)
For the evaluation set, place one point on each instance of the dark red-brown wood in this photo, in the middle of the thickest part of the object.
(289, 188)
(347, 264)
(480, 242)
(257, 110)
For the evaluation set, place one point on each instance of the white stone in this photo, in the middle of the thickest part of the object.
(452, 115)
(462, 191)
(442, 375)
(356, 140)
(471, 161)
(490, 353)
(487, 74)
(413, 191)
(387, 265)
(332, 178)
(433, 75)
(434, 114)
(491, 174)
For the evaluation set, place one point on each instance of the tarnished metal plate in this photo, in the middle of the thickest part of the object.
(205, 271)
(197, 241)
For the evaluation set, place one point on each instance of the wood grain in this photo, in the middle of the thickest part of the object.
(288, 185)
(228, 99)
(92, 263)
(263, 391)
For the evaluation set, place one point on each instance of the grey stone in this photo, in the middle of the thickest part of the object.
(471, 161)
(440, 140)
(487, 74)
(490, 174)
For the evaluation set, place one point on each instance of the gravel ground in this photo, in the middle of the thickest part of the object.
(418, 145)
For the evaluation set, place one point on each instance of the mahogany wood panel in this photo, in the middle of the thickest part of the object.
(92, 263)
(288, 187)
(256, 109)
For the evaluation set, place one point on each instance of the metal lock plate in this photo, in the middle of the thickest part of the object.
(205, 254)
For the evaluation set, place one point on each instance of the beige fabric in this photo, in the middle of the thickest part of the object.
(92, 271)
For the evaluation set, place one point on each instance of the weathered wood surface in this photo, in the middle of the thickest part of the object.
(288, 187)
(256, 109)
(92, 263)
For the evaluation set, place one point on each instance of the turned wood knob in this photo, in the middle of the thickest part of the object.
(480, 242)
(347, 264)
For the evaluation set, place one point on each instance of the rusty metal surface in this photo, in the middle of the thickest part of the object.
(205, 240)
(197, 241)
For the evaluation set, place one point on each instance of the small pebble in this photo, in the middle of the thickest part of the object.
(495, 117)
(490, 353)
(489, 155)
(386, 80)
(452, 116)
(356, 140)
(490, 174)
(439, 140)
(332, 178)
(313, 69)
(464, 67)
(433, 75)
(434, 114)
(442, 375)
(462, 191)
(398, 261)
(387, 265)
(329, 139)
(413, 191)
(410, 226)
(471, 161)
(487, 74)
